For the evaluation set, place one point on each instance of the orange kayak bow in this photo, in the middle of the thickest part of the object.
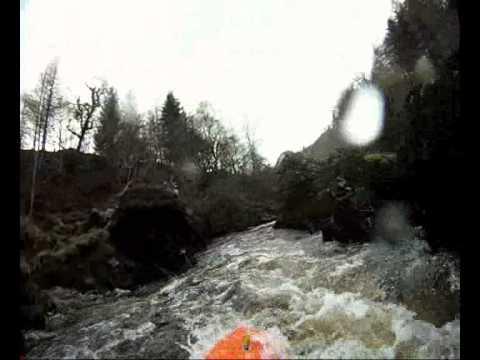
(243, 343)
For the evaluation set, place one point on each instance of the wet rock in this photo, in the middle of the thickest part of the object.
(33, 338)
(121, 292)
(56, 321)
(34, 303)
(419, 282)
(151, 226)
(315, 200)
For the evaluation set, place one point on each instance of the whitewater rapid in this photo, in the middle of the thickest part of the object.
(316, 299)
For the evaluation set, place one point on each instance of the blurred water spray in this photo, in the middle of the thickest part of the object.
(392, 225)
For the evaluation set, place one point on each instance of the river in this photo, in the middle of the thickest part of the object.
(315, 299)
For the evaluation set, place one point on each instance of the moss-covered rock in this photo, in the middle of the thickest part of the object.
(314, 197)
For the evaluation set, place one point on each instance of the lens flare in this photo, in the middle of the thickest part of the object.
(363, 121)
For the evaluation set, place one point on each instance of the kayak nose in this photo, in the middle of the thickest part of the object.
(242, 343)
(246, 342)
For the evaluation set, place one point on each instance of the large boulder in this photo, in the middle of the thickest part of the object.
(150, 235)
(152, 226)
(314, 198)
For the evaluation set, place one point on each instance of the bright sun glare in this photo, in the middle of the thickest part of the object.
(364, 118)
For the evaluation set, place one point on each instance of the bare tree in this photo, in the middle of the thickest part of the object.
(60, 134)
(36, 106)
(254, 162)
(24, 128)
(218, 148)
(132, 148)
(154, 137)
(83, 114)
(40, 108)
(52, 101)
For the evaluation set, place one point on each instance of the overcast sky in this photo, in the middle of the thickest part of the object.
(278, 64)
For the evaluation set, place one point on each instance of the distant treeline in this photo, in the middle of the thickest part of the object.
(218, 173)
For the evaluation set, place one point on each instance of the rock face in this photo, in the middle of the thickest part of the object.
(153, 227)
(314, 198)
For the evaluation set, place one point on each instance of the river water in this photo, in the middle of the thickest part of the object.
(314, 300)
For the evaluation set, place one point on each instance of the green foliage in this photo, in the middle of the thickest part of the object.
(417, 69)
(420, 28)
(131, 145)
(419, 51)
(374, 171)
(109, 123)
(174, 130)
(235, 202)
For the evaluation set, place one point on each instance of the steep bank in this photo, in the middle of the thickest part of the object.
(67, 181)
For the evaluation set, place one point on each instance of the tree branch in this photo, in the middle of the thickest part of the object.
(72, 131)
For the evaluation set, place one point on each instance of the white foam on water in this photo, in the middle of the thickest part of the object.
(352, 349)
(264, 258)
(141, 331)
(341, 269)
(320, 322)
(345, 302)
(172, 285)
(72, 352)
(301, 293)
(275, 344)
(263, 226)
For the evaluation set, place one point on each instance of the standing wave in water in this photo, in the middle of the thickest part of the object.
(314, 299)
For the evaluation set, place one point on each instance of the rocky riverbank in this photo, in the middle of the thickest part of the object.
(148, 236)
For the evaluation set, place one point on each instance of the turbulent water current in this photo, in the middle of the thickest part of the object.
(316, 299)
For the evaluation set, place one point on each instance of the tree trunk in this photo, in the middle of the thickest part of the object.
(80, 138)
(45, 103)
(48, 112)
(34, 167)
